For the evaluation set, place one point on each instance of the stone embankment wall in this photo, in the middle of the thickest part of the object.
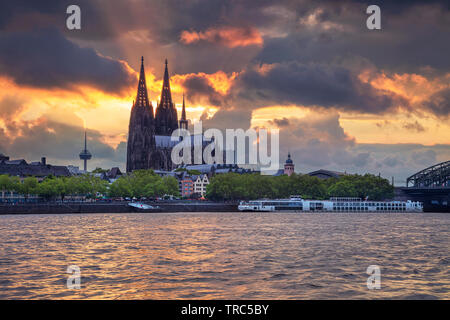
(118, 207)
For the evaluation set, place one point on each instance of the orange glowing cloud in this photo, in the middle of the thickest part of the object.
(219, 81)
(227, 36)
(416, 88)
(83, 106)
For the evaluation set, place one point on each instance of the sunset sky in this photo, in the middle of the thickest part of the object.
(344, 97)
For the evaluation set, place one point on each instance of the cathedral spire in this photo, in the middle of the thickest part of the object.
(166, 95)
(166, 113)
(183, 120)
(183, 110)
(142, 96)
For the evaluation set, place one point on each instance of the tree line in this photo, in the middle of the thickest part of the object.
(53, 187)
(233, 186)
(222, 187)
(141, 183)
(144, 183)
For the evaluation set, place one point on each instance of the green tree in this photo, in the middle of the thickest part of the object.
(5, 183)
(309, 187)
(342, 189)
(140, 181)
(85, 185)
(48, 189)
(121, 187)
(29, 186)
(171, 185)
(233, 186)
(99, 170)
(144, 183)
(15, 184)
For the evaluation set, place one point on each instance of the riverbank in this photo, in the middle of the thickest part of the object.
(113, 207)
(123, 207)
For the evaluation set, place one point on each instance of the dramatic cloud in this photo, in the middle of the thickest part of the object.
(227, 36)
(228, 119)
(10, 107)
(57, 141)
(46, 59)
(412, 36)
(439, 103)
(316, 141)
(403, 160)
(414, 126)
(199, 89)
(283, 122)
(314, 85)
(237, 56)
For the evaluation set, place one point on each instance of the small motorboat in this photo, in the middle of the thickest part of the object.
(139, 206)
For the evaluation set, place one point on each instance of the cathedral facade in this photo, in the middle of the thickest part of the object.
(149, 136)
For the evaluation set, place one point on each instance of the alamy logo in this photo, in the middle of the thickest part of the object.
(374, 20)
(74, 20)
(74, 280)
(374, 279)
(250, 147)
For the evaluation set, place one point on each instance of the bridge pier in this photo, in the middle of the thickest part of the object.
(434, 199)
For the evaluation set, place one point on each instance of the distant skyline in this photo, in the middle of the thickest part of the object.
(344, 97)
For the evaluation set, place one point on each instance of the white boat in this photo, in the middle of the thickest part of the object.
(297, 204)
(142, 206)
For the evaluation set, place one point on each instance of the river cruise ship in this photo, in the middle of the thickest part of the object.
(297, 204)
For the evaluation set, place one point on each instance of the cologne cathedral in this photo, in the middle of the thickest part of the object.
(149, 136)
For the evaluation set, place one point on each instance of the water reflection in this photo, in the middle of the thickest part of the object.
(224, 256)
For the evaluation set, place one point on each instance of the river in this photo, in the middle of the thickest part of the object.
(225, 255)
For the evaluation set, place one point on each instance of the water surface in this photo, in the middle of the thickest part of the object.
(225, 255)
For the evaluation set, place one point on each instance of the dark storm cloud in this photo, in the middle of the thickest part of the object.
(10, 9)
(106, 19)
(283, 122)
(413, 37)
(228, 119)
(312, 85)
(46, 59)
(414, 33)
(27, 15)
(198, 87)
(398, 6)
(439, 103)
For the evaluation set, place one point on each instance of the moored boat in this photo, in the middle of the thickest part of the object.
(139, 206)
(297, 204)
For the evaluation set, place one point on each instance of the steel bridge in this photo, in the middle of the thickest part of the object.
(431, 177)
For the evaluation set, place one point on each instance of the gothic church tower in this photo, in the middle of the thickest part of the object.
(166, 114)
(141, 130)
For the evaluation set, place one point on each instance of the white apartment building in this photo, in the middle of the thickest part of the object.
(200, 184)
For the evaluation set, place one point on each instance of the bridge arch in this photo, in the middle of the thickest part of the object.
(434, 176)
